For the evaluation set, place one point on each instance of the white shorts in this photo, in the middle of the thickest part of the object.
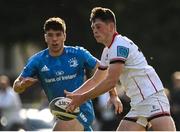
(152, 107)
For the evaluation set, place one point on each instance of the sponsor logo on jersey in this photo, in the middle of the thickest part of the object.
(44, 69)
(122, 51)
(59, 73)
(73, 62)
(60, 78)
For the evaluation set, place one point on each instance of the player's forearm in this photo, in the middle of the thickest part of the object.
(103, 87)
(92, 82)
(21, 84)
(88, 85)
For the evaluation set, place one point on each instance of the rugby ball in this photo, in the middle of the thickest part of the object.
(58, 109)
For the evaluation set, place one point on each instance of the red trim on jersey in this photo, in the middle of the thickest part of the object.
(116, 59)
(161, 106)
(114, 35)
(160, 114)
(152, 83)
(139, 88)
(102, 67)
(133, 119)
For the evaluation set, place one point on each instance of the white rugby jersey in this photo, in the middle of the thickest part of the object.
(139, 79)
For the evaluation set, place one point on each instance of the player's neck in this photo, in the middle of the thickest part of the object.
(110, 39)
(56, 53)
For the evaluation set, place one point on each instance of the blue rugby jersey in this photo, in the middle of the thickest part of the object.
(58, 73)
(63, 72)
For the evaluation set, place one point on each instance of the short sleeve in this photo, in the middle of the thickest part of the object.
(119, 52)
(89, 60)
(30, 69)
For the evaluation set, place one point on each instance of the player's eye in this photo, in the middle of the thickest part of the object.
(58, 34)
(54, 34)
(49, 34)
(98, 27)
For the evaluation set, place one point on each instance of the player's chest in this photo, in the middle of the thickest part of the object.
(60, 67)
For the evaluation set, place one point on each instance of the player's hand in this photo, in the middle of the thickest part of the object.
(77, 100)
(25, 83)
(117, 104)
(28, 81)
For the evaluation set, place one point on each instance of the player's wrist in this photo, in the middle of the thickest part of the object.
(113, 94)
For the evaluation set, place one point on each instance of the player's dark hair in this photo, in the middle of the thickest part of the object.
(103, 14)
(55, 23)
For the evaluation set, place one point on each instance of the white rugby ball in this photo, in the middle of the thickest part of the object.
(58, 108)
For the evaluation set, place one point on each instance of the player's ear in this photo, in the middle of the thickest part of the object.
(45, 37)
(112, 26)
(64, 36)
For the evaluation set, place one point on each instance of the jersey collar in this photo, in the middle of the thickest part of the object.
(114, 35)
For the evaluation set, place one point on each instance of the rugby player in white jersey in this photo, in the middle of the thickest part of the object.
(125, 62)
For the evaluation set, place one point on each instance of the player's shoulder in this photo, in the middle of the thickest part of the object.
(74, 49)
(39, 55)
(122, 40)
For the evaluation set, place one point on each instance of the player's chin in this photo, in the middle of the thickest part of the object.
(56, 49)
(98, 40)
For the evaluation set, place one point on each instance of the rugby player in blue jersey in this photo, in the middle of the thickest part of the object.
(61, 67)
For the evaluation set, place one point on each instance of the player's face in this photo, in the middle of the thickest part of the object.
(55, 41)
(101, 30)
(3, 85)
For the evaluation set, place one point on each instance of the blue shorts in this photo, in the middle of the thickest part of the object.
(86, 119)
